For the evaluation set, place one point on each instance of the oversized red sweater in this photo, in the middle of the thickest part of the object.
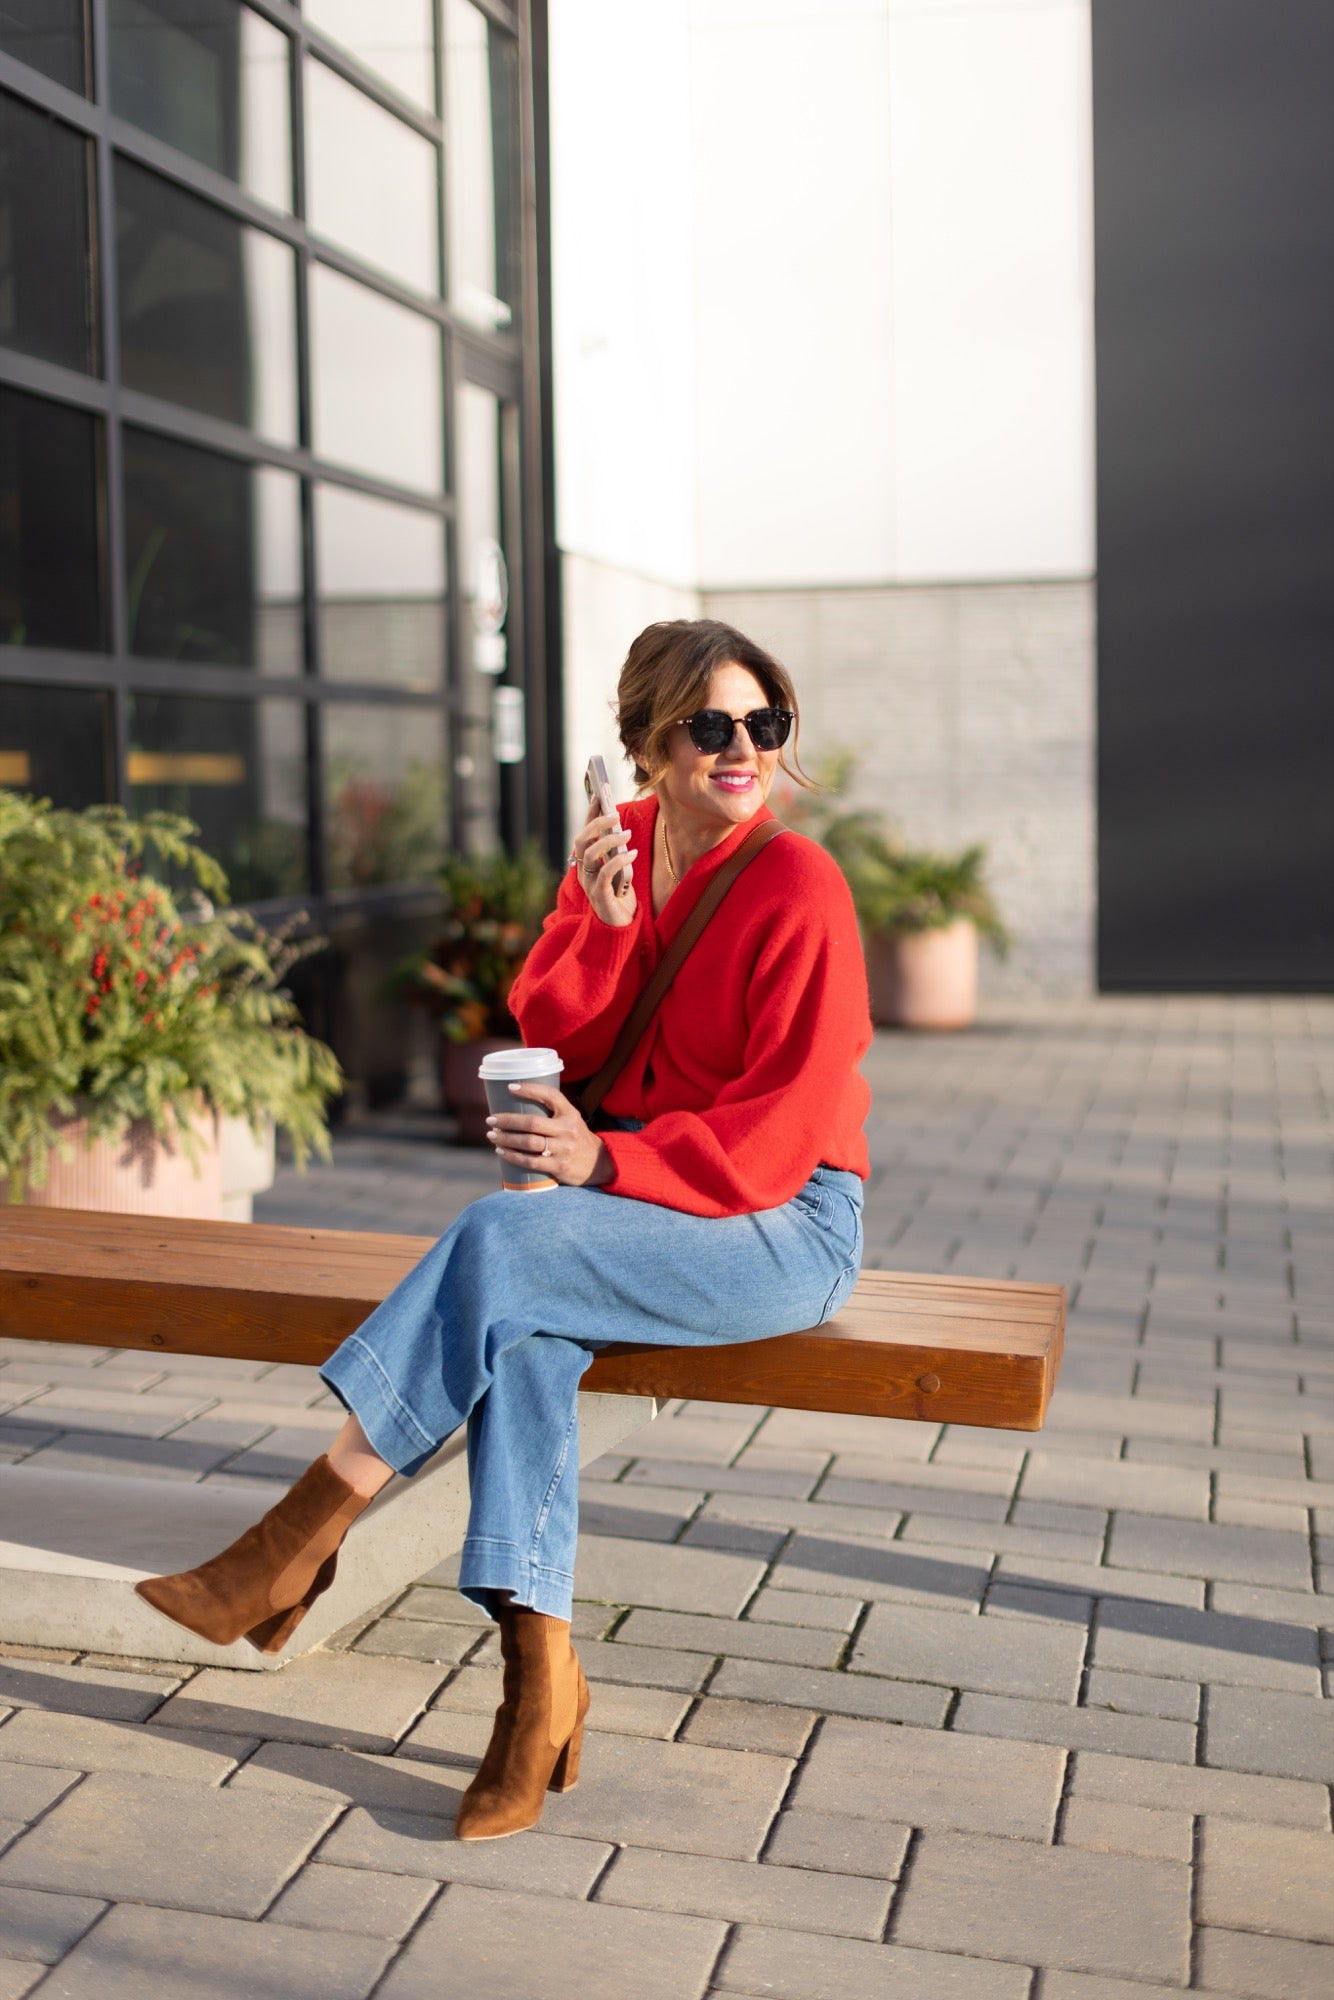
(747, 1078)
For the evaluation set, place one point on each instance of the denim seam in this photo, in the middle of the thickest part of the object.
(544, 1511)
(392, 1397)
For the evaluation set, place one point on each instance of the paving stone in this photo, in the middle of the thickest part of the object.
(792, 1645)
(1193, 1789)
(1085, 1545)
(28, 1789)
(1141, 1694)
(839, 1842)
(137, 1839)
(104, 1691)
(1120, 1829)
(679, 1796)
(1264, 1968)
(616, 1710)
(928, 1778)
(40, 1927)
(964, 1492)
(368, 1904)
(617, 1571)
(1048, 1906)
(399, 1843)
(342, 1777)
(417, 1639)
(1140, 1489)
(1206, 1646)
(743, 1892)
(772, 1606)
(755, 1474)
(875, 1523)
(136, 1952)
(643, 1666)
(1192, 1548)
(1260, 1514)
(689, 1440)
(1131, 1585)
(895, 1574)
(831, 1694)
(996, 1656)
(139, 1457)
(1217, 1458)
(1289, 1736)
(817, 1429)
(1092, 1986)
(1075, 1728)
(563, 1947)
(18, 1977)
(790, 1966)
(323, 1698)
(750, 1725)
(642, 1513)
(1061, 1517)
(1085, 1410)
(1267, 1878)
(450, 1736)
(1041, 1601)
(441, 1607)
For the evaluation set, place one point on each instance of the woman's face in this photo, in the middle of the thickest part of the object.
(730, 786)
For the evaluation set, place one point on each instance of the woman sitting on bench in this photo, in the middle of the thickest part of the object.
(718, 1197)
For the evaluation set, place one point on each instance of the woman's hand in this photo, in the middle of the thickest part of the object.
(562, 1145)
(599, 852)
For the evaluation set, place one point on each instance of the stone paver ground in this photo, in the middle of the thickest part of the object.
(881, 1711)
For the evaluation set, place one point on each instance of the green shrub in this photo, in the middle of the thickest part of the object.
(494, 906)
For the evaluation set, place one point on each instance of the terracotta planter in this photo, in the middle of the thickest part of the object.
(924, 979)
(137, 1174)
(462, 1089)
(247, 1164)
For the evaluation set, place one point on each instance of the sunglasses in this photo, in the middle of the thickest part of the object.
(713, 728)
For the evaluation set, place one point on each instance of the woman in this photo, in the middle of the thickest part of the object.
(718, 1200)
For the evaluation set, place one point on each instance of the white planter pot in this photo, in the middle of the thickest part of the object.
(137, 1174)
(248, 1165)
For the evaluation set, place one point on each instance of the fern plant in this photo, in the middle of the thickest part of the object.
(123, 997)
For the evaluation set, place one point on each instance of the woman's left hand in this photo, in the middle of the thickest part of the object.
(562, 1145)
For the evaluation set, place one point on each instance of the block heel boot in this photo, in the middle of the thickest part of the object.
(538, 1733)
(261, 1587)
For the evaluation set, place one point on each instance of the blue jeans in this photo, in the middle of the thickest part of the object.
(502, 1316)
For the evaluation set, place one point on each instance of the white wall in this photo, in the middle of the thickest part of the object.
(822, 288)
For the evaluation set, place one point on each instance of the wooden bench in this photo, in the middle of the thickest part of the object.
(947, 1350)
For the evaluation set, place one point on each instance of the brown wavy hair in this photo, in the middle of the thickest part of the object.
(666, 675)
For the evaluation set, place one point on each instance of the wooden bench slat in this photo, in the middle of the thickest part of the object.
(957, 1350)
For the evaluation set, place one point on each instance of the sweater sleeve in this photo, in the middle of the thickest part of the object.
(808, 1026)
(578, 982)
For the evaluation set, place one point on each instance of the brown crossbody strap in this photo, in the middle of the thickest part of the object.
(646, 1006)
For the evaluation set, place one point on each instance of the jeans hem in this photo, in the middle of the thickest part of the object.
(360, 1383)
(489, 1566)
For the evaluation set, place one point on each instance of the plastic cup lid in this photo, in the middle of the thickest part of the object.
(511, 1065)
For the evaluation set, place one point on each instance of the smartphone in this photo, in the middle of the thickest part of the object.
(598, 787)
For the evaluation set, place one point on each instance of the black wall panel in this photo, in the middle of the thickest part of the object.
(1214, 194)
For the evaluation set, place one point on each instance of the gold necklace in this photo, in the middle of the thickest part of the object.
(667, 855)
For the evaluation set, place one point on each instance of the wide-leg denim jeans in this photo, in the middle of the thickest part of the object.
(496, 1324)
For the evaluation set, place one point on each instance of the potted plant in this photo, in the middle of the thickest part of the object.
(921, 912)
(494, 906)
(136, 1017)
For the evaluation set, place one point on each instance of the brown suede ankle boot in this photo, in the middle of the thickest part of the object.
(539, 1728)
(263, 1585)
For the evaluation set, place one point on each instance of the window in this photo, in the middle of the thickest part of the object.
(384, 420)
(212, 555)
(238, 769)
(384, 793)
(207, 308)
(212, 79)
(50, 35)
(46, 298)
(382, 590)
(371, 182)
(481, 92)
(52, 590)
(56, 743)
(395, 38)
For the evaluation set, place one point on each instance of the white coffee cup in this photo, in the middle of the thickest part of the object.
(498, 1071)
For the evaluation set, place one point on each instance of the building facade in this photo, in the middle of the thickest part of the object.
(271, 527)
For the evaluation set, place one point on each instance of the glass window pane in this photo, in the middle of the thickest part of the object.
(212, 557)
(395, 38)
(482, 124)
(238, 769)
(51, 511)
(376, 383)
(212, 79)
(370, 181)
(49, 35)
(46, 292)
(384, 793)
(207, 307)
(56, 743)
(382, 590)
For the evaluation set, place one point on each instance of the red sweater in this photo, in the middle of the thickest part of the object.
(747, 1078)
